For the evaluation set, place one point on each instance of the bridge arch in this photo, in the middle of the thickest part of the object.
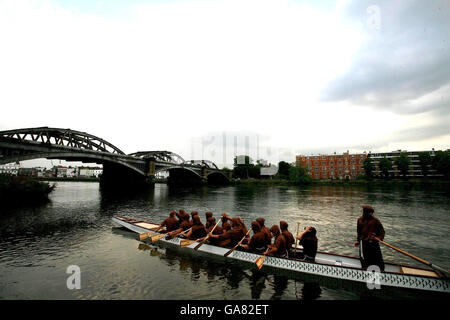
(61, 137)
(74, 156)
(217, 177)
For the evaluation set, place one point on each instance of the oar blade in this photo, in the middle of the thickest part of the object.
(158, 237)
(143, 236)
(260, 261)
(185, 243)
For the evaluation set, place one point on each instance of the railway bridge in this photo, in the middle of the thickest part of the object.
(118, 167)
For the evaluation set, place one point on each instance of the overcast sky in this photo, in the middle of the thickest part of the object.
(208, 79)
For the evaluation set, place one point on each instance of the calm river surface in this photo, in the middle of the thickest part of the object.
(37, 244)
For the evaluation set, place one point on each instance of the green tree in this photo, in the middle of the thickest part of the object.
(369, 167)
(299, 175)
(403, 162)
(283, 169)
(425, 162)
(441, 162)
(244, 168)
(385, 165)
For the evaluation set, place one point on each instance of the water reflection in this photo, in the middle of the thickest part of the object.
(233, 274)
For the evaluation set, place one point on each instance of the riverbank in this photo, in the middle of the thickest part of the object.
(79, 179)
(357, 182)
(19, 190)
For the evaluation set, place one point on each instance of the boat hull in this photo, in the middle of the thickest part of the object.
(326, 265)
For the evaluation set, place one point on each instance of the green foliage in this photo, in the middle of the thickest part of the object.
(283, 169)
(369, 167)
(385, 165)
(425, 162)
(403, 162)
(299, 175)
(246, 169)
(441, 162)
(22, 188)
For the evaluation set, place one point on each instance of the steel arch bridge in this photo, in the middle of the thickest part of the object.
(66, 144)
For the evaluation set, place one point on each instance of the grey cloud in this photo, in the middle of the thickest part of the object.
(407, 59)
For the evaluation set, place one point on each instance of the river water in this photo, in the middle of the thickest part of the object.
(37, 244)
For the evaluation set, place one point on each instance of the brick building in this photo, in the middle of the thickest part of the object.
(342, 166)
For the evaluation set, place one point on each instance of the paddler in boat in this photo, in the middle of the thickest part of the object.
(367, 228)
(231, 237)
(208, 215)
(288, 236)
(182, 215)
(198, 229)
(258, 242)
(261, 222)
(184, 225)
(278, 248)
(226, 218)
(218, 230)
(171, 223)
(308, 241)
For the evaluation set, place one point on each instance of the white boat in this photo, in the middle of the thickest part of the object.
(326, 264)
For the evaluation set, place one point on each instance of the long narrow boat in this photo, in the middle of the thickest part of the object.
(326, 264)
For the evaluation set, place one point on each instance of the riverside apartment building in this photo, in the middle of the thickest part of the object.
(335, 166)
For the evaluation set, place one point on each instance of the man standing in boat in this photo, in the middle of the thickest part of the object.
(367, 228)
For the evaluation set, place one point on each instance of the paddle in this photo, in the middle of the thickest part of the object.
(239, 243)
(157, 237)
(260, 261)
(162, 235)
(435, 267)
(172, 234)
(186, 242)
(296, 239)
(207, 237)
(145, 235)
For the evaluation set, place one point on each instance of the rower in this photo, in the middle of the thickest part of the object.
(184, 225)
(218, 230)
(240, 222)
(171, 223)
(208, 215)
(231, 237)
(308, 240)
(258, 242)
(278, 248)
(367, 228)
(288, 236)
(225, 218)
(265, 229)
(198, 229)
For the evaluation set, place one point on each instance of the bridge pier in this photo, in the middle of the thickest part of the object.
(118, 176)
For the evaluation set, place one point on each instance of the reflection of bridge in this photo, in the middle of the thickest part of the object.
(118, 167)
